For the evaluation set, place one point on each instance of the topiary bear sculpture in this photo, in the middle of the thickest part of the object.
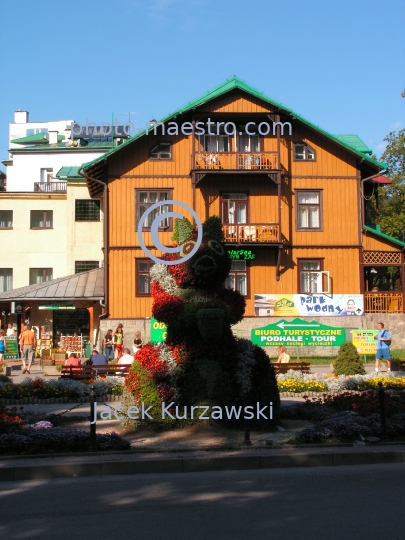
(202, 361)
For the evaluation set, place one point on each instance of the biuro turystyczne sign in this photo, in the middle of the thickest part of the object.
(298, 333)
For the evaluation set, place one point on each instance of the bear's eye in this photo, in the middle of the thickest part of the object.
(187, 247)
(216, 246)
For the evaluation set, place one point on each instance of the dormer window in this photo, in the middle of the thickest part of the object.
(161, 150)
(303, 152)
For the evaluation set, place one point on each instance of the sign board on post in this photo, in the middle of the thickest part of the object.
(364, 341)
(11, 348)
(298, 333)
(158, 331)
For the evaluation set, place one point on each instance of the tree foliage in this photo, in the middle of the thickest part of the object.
(392, 197)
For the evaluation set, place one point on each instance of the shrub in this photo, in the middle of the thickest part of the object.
(348, 361)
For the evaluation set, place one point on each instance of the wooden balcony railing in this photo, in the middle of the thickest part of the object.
(50, 187)
(236, 160)
(383, 302)
(251, 233)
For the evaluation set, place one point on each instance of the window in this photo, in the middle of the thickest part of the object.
(6, 279)
(6, 219)
(234, 208)
(85, 266)
(237, 279)
(310, 276)
(216, 143)
(309, 208)
(46, 175)
(145, 199)
(303, 152)
(39, 275)
(41, 219)
(161, 150)
(87, 210)
(143, 286)
(34, 131)
(248, 143)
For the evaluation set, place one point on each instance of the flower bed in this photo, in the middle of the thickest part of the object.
(59, 389)
(18, 436)
(297, 382)
(348, 417)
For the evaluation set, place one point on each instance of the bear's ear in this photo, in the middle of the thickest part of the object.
(212, 228)
(182, 229)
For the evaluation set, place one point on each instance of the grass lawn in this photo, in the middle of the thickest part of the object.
(370, 359)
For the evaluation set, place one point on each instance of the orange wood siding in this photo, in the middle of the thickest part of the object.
(132, 169)
(371, 242)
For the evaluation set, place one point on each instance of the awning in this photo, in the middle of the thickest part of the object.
(84, 286)
(380, 180)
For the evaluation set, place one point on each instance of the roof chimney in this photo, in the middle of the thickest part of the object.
(53, 137)
(21, 117)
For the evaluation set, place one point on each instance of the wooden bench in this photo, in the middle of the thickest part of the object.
(304, 367)
(89, 372)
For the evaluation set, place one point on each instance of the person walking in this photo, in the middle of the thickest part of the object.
(109, 345)
(2, 345)
(383, 347)
(119, 339)
(29, 342)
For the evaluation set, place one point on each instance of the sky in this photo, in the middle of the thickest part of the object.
(340, 64)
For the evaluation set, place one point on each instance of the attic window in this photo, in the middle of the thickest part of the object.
(161, 150)
(303, 152)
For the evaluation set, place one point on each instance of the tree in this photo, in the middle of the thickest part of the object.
(392, 197)
(348, 361)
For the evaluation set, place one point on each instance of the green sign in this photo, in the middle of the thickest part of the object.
(158, 331)
(57, 305)
(298, 333)
(11, 347)
(241, 255)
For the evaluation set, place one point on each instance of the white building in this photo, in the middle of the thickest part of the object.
(50, 227)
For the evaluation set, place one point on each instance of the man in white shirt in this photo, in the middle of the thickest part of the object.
(10, 330)
(126, 358)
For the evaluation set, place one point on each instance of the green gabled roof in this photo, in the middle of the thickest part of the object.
(237, 84)
(375, 230)
(355, 142)
(69, 173)
(37, 138)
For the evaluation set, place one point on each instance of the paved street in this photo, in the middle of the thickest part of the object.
(336, 503)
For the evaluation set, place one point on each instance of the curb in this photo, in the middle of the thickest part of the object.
(196, 464)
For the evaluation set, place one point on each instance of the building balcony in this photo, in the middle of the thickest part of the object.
(252, 233)
(50, 187)
(252, 161)
(383, 302)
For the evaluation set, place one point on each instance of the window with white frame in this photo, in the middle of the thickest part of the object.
(238, 279)
(303, 152)
(147, 198)
(6, 279)
(310, 276)
(46, 175)
(309, 210)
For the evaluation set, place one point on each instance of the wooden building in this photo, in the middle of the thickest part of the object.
(291, 197)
